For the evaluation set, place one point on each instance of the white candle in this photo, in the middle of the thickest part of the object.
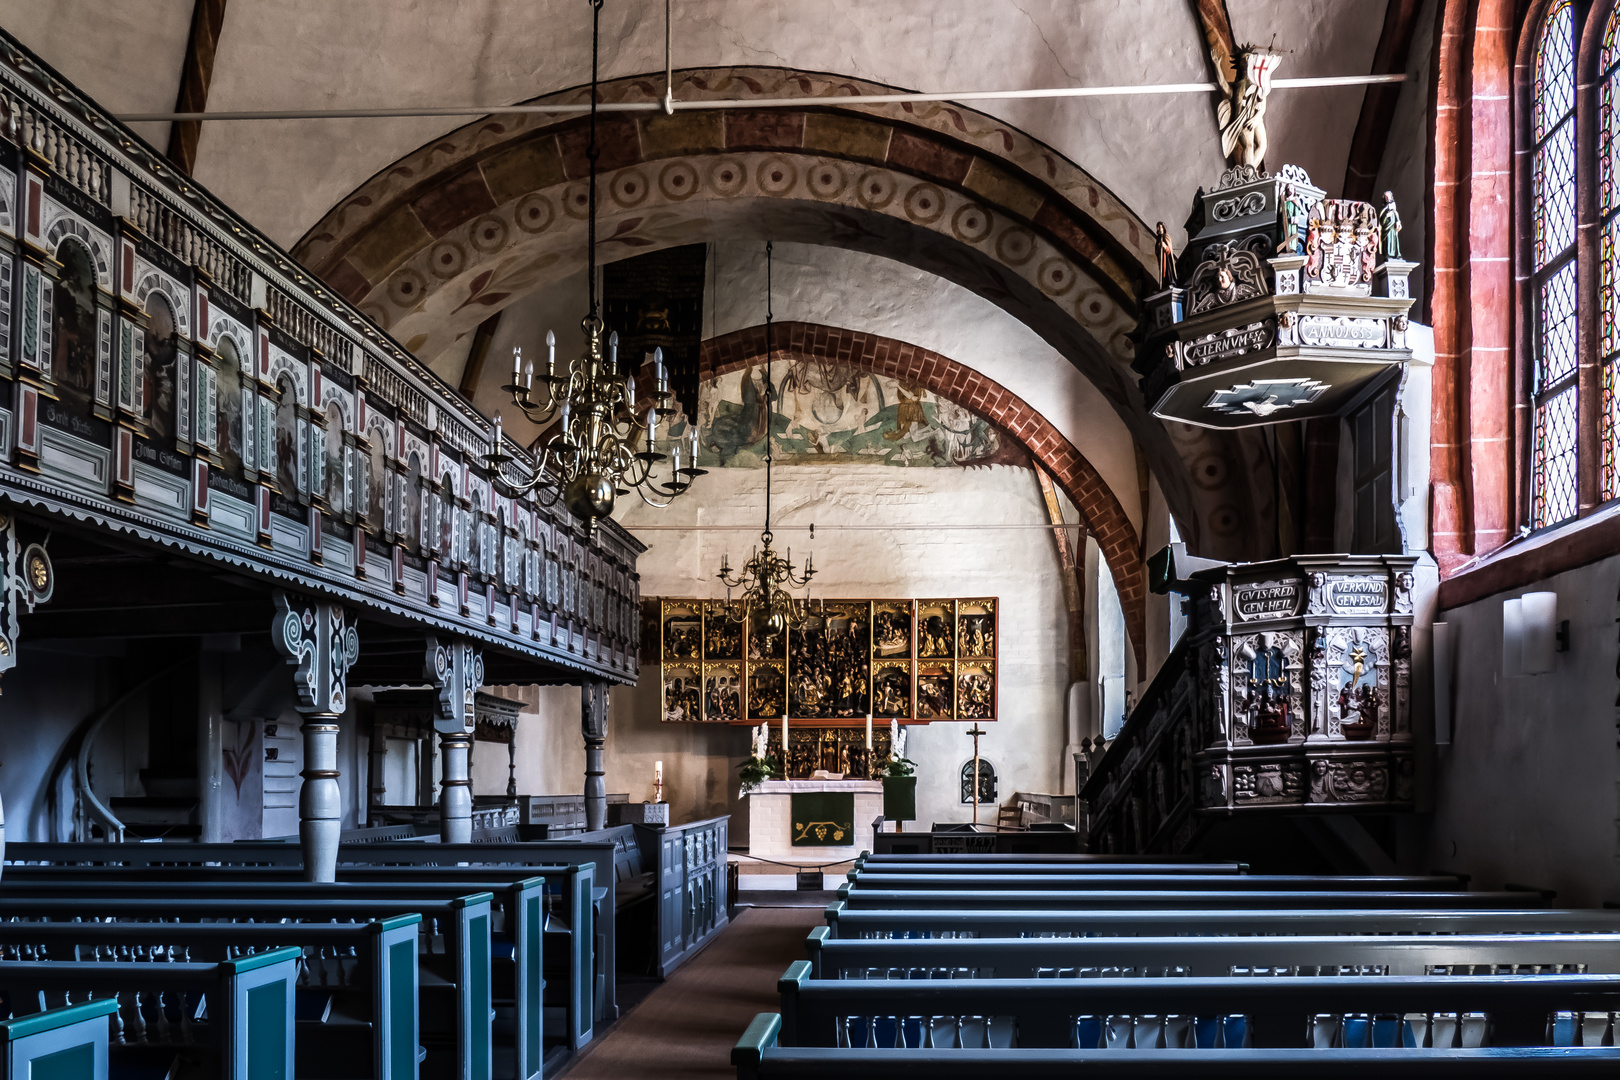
(528, 375)
(630, 392)
(784, 740)
(868, 732)
(658, 772)
(517, 363)
(692, 430)
(495, 443)
(551, 353)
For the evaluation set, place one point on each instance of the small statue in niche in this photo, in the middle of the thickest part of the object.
(1389, 225)
(1167, 256)
(1242, 109)
(1292, 213)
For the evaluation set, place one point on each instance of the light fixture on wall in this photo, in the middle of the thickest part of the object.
(591, 458)
(767, 576)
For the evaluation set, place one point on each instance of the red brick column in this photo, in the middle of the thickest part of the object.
(1473, 477)
(1104, 517)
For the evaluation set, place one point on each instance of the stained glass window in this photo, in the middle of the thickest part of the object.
(1608, 251)
(1553, 483)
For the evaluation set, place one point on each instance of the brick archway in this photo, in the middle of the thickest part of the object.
(494, 211)
(1104, 517)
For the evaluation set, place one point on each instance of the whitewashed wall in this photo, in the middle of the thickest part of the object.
(1526, 792)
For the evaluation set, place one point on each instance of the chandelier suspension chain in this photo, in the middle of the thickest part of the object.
(770, 388)
(592, 152)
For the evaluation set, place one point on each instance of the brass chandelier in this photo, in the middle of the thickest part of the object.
(591, 458)
(767, 576)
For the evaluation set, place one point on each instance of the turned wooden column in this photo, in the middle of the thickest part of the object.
(317, 639)
(593, 722)
(456, 670)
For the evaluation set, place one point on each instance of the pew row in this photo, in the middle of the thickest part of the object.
(857, 897)
(525, 975)
(842, 922)
(1350, 954)
(1080, 863)
(757, 1056)
(357, 986)
(1073, 882)
(234, 1019)
(454, 1002)
(1438, 1011)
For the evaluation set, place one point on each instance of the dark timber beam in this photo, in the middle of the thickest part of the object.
(1219, 45)
(1378, 106)
(196, 72)
(473, 370)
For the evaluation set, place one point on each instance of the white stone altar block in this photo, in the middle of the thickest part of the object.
(770, 824)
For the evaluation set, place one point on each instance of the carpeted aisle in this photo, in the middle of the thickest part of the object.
(687, 1027)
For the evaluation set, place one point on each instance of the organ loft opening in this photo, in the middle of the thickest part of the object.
(801, 541)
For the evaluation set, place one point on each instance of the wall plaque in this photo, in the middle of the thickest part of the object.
(1266, 599)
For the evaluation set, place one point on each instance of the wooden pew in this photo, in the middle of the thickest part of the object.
(247, 1033)
(159, 861)
(845, 923)
(1229, 882)
(1375, 954)
(454, 999)
(757, 1056)
(859, 897)
(519, 980)
(1019, 864)
(67, 1043)
(1300, 1011)
(356, 1019)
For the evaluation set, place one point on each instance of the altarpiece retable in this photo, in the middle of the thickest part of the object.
(906, 660)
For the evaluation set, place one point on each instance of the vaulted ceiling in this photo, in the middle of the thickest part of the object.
(1152, 152)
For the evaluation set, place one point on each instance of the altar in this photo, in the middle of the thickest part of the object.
(812, 821)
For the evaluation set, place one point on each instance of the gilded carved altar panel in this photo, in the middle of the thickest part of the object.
(908, 660)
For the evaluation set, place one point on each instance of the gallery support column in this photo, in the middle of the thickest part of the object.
(593, 723)
(456, 670)
(317, 639)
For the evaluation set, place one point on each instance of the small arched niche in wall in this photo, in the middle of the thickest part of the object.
(988, 791)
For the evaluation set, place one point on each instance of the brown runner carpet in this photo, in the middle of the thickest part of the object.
(687, 1027)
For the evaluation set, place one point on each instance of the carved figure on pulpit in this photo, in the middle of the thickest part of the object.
(1292, 220)
(1389, 224)
(1241, 112)
(1267, 702)
(1167, 255)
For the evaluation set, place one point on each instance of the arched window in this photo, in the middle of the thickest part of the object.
(1609, 248)
(1554, 490)
(988, 794)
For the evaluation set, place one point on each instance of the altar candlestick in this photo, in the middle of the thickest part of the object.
(868, 733)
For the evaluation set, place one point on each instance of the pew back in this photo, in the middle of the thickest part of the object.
(878, 879)
(1275, 1012)
(844, 922)
(68, 1043)
(1380, 954)
(250, 1009)
(860, 897)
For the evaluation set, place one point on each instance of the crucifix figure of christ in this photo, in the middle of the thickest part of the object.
(976, 731)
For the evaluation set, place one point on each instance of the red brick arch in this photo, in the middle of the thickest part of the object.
(1104, 517)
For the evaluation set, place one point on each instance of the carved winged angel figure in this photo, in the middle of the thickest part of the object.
(1241, 112)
